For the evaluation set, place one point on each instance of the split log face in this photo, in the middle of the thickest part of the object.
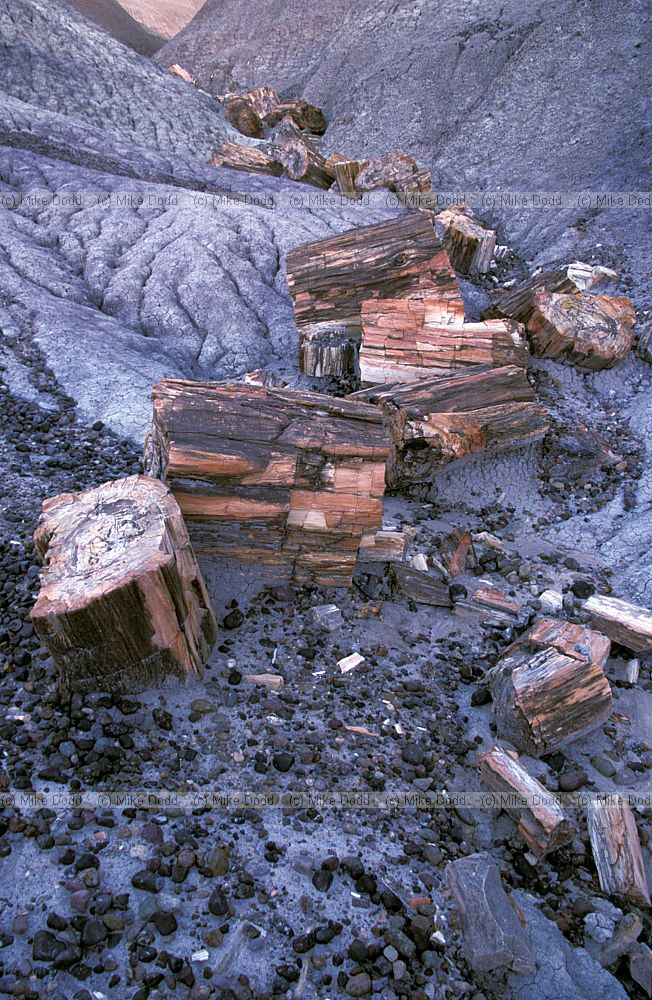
(624, 623)
(329, 280)
(276, 477)
(122, 603)
(264, 100)
(546, 699)
(303, 163)
(575, 641)
(248, 158)
(542, 823)
(617, 849)
(393, 170)
(470, 245)
(518, 303)
(241, 113)
(346, 172)
(408, 339)
(436, 421)
(593, 331)
(305, 115)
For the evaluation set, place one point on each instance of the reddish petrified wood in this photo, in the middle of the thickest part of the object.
(630, 625)
(122, 603)
(593, 331)
(277, 477)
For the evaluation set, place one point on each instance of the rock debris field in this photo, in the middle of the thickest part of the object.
(415, 760)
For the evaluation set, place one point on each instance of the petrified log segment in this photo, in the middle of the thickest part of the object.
(276, 477)
(408, 339)
(593, 331)
(122, 603)
(241, 113)
(384, 546)
(264, 99)
(453, 550)
(305, 115)
(303, 163)
(435, 421)
(542, 823)
(329, 280)
(420, 586)
(249, 158)
(419, 182)
(393, 170)
(544, 700)
(575, 641)
(470, 245)
(518, 302)
(617, 849)
(346, 172)
(627, 624)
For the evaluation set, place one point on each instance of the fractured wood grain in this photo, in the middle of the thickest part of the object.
(470, 245)
(248, 158)
(592, 331)
(241, 113)
(617, 849)
(628, 624)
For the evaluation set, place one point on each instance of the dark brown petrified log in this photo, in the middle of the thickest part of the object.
(518, 302)
(593, 331)
(122, 603)
(548, 690)
(542, 823)
(250, 158)
(408, 339)
(435, 421)
(470, 245)
(627, 624)
(346, 172)
(617, 849)
(453, 549)
(392, 170)
(241, 113)
(329, 280)
(303, 163)
(306, 116)
(420, 586)
(264, 100)
(276, 477)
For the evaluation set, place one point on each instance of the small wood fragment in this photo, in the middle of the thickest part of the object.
(541, 820)
(182, 73)
(454, 548)
(327, 616)
(274, 682)
(617, 849)
(346, 172)
(349, 663)
(421, 587)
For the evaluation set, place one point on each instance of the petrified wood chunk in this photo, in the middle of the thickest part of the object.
(454, 548)
(276, 477)
(518, 302)
(438, 420)
(419, 182)
(420, 586)
(264, 99)
(627, 624)
(545, 699)
(303, 163)
(346, 172)
(542, 823)
(572, 640)
(385, 546)
(470, 245)
(241, 113)
(617, 849)
(593, 331)
(122, 603)
(181, 72)
(249, 158)
(305, 115)
(408, 339)
(329, 280)
(392, 170)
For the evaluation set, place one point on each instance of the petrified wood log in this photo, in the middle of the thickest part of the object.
(470, 245)
(542, 823)
(287, 131)
(393, 170)
(518, 302)
(241, 113)
(248, 158)
(384, 546)
(305, 115)
(264, 100)
(421, 587)
(453, 549)
(329, 280)
(435, 421)
(617, 849)
(546, 699)
(593, 331)
(303, 163)
(276, 477)
(346, 172)
(122, 603)
(572, 640)
(408, 339)
(627, 624)
(419, 182)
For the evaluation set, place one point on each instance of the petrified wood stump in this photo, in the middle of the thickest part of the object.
(274, 477)
(329, 280)
(408, 339)
(593, 331)
(542, 823)
(617, 849)
(470, 245)
(122, 603)
(548, 690)
(435, 421)
(249, 158)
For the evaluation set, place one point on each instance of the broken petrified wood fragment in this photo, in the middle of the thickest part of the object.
(264, 99)
(470, 245)
(122, 603)
(627, 624)
(542, 823)
(303, 163)
(285, 480)
(392, 170)
(545, 699)
(408, 339)
(617, 849)
(249, 158)
(329, 280)
(494, 936)
(241, 113)
(306, 116)
(435, 421)
(593, 331)
(385, 546)
(454, 548)
(420, 586)
(518, 302)
(346, 172)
